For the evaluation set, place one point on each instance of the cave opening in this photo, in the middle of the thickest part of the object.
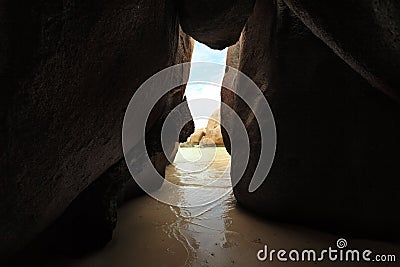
(203, 53)
(202, 161)
(201, 167)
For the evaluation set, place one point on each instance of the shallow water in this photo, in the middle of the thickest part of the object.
(203, 230)
(150, 233)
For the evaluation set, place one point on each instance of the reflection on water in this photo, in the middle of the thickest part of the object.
(200, 229)
(201, 176)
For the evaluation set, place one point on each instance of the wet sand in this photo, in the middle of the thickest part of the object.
(150, 233)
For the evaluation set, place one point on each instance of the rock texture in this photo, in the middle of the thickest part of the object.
(227, 96)
(68, 70)
(370, 44)
(213, 129)
(211, 134)
(89, 221)
(217, 24)
(336, 161)
(197, 135)
(159, 114)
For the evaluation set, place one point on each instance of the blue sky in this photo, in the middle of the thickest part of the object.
(202, 53)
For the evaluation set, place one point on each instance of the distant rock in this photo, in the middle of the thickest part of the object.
(207, 142)
(197, 135)
(213, 130)
(211, 134)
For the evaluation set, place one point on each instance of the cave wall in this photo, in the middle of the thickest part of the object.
(228, 96)
(68, 70)
(89, 221)
(365, 34)
(337, 135)
(159, 113)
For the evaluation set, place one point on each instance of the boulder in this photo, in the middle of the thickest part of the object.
(213, 129)
(369, 43)
(164, 107)
(217, 24)
(68, 71)
(336, 160)
(211, 134)
(197, 135)
(227, 96)
(233, 55)
(91, 218)
(205, 142)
